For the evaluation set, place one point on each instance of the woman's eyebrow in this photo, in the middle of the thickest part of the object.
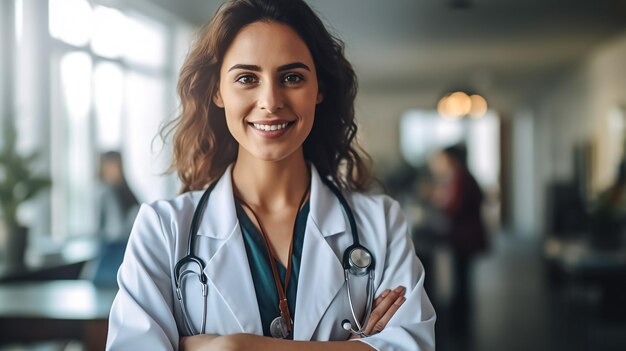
(256, 68)
(292, 66)
(245, 67)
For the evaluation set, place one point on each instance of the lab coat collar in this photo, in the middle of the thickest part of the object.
(325, 209)
(220, 216)
(320, 279)
(321, 271)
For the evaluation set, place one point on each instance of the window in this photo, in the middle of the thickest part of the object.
(70, 21)
(110, 72)
(424, 131)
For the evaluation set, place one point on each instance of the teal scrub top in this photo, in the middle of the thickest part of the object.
(261, 270)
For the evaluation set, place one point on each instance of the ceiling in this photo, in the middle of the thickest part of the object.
(499, 46)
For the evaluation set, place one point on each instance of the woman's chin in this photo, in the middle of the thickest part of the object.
(273, 156)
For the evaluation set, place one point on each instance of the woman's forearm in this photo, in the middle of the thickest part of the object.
(242, 342)
(385, 306)
(289, 345)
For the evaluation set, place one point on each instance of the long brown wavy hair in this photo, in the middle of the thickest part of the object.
(202, 145)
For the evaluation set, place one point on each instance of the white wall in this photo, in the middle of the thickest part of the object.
(607, 72)
(6, 57)
(378, 114)
(523, 153)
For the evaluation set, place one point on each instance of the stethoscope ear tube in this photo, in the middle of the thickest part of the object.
(203, 281)
(357, 261)
(345, 324)
(191, 258)
(195, 221)
(193, 229)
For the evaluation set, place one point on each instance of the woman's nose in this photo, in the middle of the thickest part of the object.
(270, 98)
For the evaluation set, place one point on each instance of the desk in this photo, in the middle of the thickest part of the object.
(55, 310)
(577, 260)
(576, 256)
(51, 261)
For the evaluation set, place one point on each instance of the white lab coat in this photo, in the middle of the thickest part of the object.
(146, 314)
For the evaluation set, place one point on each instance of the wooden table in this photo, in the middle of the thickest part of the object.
(55, 310)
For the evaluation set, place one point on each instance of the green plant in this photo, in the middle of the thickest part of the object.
(18, 182)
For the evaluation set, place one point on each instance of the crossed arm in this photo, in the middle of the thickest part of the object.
(385, 306)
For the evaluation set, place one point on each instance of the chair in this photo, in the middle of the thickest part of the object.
(102, 270)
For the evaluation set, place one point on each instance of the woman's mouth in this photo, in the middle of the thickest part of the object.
(271, 130)
(270, 127)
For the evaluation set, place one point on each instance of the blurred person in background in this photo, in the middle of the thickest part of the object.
(117, 205)
(430, 226)
(457, 194)
(116, 208)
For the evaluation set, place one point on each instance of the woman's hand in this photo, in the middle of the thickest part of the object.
(385, 306)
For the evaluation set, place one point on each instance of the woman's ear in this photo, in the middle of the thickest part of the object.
(320, 92)
(217, 99)
(320, 98)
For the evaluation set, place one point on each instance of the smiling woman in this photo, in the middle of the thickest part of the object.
(332, 138)
(284, 247)
(269, 105)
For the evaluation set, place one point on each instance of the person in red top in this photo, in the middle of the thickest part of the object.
(459, 197)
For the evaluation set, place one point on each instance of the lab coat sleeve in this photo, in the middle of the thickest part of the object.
(413, 325)
(141, 316)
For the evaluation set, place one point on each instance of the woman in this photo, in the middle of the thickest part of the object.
(460, 200)
(117, 204)
(267, 120)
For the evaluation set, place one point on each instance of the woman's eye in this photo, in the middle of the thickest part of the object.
(247, 79)
(293, 79)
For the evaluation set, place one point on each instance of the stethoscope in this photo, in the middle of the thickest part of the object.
(357, 261)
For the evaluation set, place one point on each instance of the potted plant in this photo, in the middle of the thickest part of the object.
(18, 183)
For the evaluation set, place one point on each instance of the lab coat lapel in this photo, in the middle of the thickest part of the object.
(321, 273)
(228, 269)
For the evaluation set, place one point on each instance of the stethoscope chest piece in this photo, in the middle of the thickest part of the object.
(358, 260)
(279, 328)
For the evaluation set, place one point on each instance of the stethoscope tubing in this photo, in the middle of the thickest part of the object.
(368, 308)
(181, 300)
(191, 258)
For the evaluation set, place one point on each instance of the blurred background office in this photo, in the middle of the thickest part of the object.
(533, 93)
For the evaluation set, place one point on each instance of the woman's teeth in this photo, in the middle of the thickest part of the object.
(270, 127)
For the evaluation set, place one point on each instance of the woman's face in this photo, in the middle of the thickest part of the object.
(268, 89)
(111, 171)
